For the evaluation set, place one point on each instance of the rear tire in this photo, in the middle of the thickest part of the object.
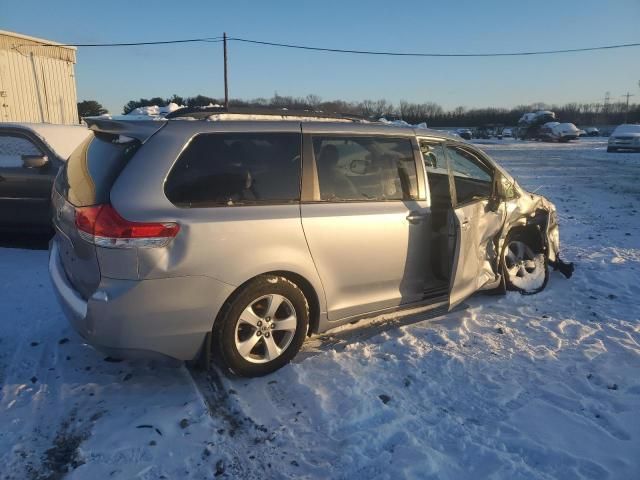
(262, 327)
(524, 266)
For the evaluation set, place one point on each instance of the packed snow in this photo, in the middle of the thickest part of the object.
(155, 110)
(516, 387)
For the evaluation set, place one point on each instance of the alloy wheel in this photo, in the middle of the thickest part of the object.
(265, 328)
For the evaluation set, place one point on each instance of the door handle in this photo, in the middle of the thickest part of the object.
(465, 224)
(415, 217)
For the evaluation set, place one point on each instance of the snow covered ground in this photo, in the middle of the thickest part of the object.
(515, 387)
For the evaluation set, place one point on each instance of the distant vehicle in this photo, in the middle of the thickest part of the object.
(558, 132)
(242, 236)
(582, 133)
(482, 132)
(625, 137)
(530, 124)
(464, 133)
(488, 131)
(507, 133)
(30, 156)
(592, 132)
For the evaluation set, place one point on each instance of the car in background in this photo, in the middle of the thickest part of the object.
(241, 233)
(507, 133)
(558, 132)
(30, 157)
(464, 133)
(592, 132)
(625, 137)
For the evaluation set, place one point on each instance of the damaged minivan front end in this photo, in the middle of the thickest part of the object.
(530, 242)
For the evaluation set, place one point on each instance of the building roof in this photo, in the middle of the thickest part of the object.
(27, 45)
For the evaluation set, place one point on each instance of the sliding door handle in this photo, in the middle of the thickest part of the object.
(416, 217)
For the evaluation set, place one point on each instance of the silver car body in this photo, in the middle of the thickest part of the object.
(352, 259)
(625, 137)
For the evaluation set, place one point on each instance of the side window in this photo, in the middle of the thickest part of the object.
(473, 180)
(13, 147)
(433, 157)
(236, 169)
(365, 168)
(435, 163)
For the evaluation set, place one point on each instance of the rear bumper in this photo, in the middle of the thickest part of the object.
(167, 317)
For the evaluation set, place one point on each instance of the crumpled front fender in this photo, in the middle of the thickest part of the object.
(535, 211)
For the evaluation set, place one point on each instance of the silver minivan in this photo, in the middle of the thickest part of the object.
(237, 235)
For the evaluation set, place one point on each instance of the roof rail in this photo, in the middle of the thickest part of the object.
(202, 113)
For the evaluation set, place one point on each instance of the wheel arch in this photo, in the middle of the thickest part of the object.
(530, 232)
(300, 281)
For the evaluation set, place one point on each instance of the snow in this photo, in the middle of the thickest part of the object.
(515, 387)
(533, 282)
(402, 123)
(155, 110)
(217, 117)
(152, 112)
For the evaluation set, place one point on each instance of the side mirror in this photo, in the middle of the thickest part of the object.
(494, 203)
(34, 161)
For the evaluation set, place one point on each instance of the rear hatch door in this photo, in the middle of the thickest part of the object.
(86, 180)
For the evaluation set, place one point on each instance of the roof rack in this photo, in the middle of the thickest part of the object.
(202, 113)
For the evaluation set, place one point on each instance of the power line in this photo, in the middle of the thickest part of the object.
(414, 54)
(342, 50)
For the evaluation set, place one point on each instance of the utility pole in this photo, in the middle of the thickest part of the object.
(626, 111)
(226, 84)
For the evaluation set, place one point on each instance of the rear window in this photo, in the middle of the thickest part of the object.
(93, 167)
(236, 169)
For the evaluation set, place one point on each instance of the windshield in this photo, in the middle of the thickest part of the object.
(627, 129)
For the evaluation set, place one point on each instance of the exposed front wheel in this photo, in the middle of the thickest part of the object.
(525, 271)
(263, 327)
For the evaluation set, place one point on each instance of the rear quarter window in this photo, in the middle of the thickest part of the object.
(233, 169)
(93, 167)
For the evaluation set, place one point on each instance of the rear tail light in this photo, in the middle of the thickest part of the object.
(103, 226)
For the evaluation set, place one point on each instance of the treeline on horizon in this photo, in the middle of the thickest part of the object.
(430, 112)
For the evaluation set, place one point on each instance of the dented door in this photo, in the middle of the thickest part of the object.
(476, 227)
(477, 220)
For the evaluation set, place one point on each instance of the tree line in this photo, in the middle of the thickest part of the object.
(430, 112)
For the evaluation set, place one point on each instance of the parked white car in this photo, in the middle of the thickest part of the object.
(559, 132)
(625, 137)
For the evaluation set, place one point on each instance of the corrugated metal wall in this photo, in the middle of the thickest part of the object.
(37, 83)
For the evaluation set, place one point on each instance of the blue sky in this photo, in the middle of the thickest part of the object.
(115, 75)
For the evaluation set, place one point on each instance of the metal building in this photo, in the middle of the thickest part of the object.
(37, 80)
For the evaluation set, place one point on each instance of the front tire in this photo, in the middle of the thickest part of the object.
(262, 327)
(524, 270)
